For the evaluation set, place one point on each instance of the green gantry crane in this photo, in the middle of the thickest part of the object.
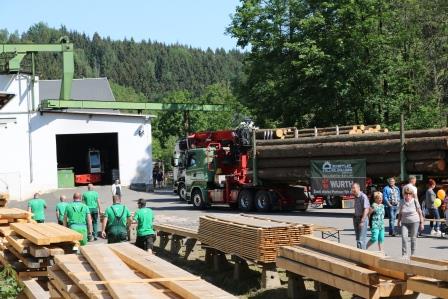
(12, 55)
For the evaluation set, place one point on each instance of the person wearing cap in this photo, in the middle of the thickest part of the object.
(146, 235)
(60, 209)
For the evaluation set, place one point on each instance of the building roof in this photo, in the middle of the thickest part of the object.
(97, 89)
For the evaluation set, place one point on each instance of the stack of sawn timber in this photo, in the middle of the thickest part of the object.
(252, 238)
(343, 267)
(289, 160)
(430, 275)
(124, 271)
(33, 246)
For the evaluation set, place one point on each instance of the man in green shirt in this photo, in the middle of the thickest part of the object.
(116, 222)
(37, 206)
(60, 209)
(145, 233)
(77, 217)
(90, 199)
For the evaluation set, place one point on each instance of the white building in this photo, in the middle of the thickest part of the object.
(35, 144)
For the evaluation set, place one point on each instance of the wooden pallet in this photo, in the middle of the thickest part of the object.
(14, 213)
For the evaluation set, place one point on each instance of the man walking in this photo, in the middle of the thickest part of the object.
(37, 206)
(360, 219)
(116, 222)
(60, 209)
(90, 199)
(412, 182)
(145, 233)
(77, 217)
(391, 195)
(116, 188)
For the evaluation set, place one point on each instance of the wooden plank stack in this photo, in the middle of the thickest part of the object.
(343, 267)
(34, 246)
(254, 238)
(289, 159)
(124, 271)
(431, 276)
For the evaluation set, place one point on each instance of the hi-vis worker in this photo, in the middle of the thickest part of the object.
(37, 206)
(117, 219)
(77, 217)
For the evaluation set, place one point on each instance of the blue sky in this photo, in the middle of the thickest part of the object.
(199, 23)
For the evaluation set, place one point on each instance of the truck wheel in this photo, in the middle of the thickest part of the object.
(246, 200)
(263, 201)
(198, 200)
(182, 191)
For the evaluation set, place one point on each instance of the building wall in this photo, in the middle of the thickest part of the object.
(26, 169)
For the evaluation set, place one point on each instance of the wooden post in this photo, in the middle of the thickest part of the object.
(164, 239)
(269, 276)
(296, 286)
(402, 153)
(176, 244)
(219, 261)
(189, 245)
(327, 292)
(240, 267)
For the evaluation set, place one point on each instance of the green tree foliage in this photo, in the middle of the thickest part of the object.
(10, 286)
(318, 63)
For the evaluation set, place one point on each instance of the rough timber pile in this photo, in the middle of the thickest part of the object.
(253, 238)
(289, 159)
(363, 273)
(124, 271)
(30, 247)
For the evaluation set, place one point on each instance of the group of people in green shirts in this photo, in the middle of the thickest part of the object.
(82, 215)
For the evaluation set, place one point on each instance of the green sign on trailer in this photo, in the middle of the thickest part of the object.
(335, 177)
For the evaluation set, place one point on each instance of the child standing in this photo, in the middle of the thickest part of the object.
(377, 227)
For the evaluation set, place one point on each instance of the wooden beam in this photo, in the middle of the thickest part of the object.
(429, 261)
(33, 290)
(359, 256)
(330, 279)
(155, 267)
(416, 268)
(330, 264)
(176, 230)
(421, 285)
(18, 243)
(108, 266)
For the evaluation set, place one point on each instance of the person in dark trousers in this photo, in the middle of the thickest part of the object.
(77, 217)
(91, 200)
(60, 209)
(433, 211)
(391, 196)
(146, 235)
(160, 179)
(37, 206)
(361, 216)
(116, 222)
(116, 188)
(154, 178)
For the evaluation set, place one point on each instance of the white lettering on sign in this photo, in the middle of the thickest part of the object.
(328, 167)
(341, 184)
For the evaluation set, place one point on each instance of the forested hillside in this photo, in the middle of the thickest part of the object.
(149, 71)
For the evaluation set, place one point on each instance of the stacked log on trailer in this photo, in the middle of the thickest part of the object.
(252, 238)
(288, 133)
(289, 159)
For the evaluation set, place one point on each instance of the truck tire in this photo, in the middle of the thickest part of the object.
(263, 201)
(198, 200)
(182, 191)
(246, 200)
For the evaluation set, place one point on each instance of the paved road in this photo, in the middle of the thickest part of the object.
(169, 210)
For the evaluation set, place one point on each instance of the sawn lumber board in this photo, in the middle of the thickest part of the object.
(415, 267)
(108, 266)
(155, 267)
(45, 233)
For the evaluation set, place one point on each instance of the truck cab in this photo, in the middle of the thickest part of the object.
(198, 175)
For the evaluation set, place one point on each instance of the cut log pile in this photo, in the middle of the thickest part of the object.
(289, 159)
(287, 133)
(31, 247)
(363, 273)
(124, 271)
(253, 238)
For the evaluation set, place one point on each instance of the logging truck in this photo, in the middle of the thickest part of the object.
(219, 169)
